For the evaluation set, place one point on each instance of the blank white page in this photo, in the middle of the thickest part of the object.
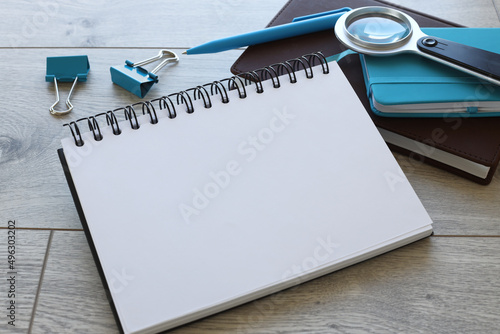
(208, 210)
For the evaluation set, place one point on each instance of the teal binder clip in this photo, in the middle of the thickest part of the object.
(66, 69)
(138, 80)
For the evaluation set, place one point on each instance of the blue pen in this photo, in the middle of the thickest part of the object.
(299, 26)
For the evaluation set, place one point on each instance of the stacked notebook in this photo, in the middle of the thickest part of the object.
(410, 85)
(466, 146)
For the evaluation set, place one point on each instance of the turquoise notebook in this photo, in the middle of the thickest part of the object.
(413, 86)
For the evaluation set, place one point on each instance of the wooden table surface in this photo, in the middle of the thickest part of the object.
(447, 283)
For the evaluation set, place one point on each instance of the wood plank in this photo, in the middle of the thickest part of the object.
(72, 299)
(169, 23)
(29, 251)
(439, 283)
(496, 4)
(115, 23)
(479, 13)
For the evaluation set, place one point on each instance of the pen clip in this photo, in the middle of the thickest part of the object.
(331, 12)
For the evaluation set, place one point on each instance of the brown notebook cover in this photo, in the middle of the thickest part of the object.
(474, 139)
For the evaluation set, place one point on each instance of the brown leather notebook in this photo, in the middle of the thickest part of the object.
(469, 147)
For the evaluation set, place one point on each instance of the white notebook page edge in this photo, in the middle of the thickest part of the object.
(437, 154)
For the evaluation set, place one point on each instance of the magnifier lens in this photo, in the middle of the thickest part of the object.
(378, 28)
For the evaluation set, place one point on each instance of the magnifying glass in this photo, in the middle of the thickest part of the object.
(382, 31)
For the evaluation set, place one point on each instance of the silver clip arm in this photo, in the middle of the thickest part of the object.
(68, 102)
(172, 57)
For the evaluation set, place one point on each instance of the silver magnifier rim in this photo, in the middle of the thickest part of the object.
(353, 15)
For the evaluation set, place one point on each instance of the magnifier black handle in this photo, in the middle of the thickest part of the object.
(477, 60)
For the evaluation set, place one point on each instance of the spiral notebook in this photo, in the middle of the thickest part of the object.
(205, 199)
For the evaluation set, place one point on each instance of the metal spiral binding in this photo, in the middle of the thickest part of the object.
(206, 93)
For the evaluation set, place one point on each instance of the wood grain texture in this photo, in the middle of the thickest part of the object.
(71, 298)
(116, 23)
(496, 7)
(437, 285)
(29, 248)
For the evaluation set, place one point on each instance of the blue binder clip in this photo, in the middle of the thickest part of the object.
(66, 69)
(138, 80)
